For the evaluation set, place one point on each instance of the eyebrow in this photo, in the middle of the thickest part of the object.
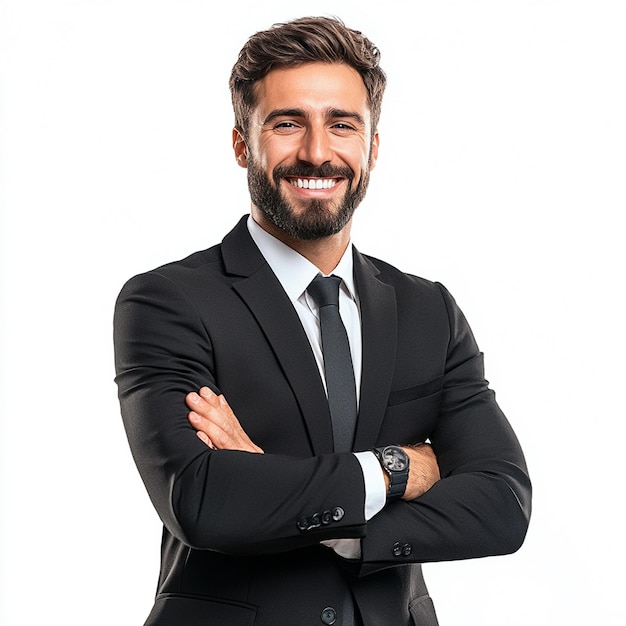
(331, 113)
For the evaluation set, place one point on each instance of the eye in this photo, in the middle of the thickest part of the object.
(343, 127)
(286, 126)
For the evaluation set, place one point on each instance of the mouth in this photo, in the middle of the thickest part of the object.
(313, 183)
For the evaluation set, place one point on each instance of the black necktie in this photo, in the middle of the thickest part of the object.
(338, 369)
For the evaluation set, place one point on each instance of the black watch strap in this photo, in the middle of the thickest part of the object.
(395, 462)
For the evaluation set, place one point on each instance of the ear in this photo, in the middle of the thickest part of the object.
(374, 150)
(240, 148)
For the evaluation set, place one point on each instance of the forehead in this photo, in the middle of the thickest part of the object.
(312, 87)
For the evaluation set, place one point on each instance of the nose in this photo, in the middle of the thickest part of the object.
(316, 146)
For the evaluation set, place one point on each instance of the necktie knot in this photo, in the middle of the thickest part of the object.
(325, 290)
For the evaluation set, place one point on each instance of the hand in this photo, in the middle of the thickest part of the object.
(216, 424)
(423, 470)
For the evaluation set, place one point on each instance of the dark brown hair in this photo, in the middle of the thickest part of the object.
(305, 40)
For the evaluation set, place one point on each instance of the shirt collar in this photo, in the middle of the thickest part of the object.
(294, 271)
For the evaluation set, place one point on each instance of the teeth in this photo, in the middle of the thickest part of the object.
(314, 183)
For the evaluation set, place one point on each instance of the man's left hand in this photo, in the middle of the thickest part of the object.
(216, 424)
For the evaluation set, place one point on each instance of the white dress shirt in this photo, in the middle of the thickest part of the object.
(295, 273)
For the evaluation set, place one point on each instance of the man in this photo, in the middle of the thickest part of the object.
(304, 464)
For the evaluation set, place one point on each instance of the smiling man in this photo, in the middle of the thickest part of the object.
(311, 424)
(318, 155)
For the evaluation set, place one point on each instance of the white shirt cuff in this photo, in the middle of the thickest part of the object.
(375, 498)
(375, 487)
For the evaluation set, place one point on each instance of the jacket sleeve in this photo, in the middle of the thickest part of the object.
(229, 501)
(482, 504)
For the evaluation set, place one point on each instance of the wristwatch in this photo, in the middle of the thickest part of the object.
(395, 461)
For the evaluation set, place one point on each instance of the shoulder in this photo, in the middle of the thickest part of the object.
(403, 282)
(414, 294)
(420, 298)
(235, 256)
(201, 261)
(181, 277)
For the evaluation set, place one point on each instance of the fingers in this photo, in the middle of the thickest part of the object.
(205, 439)
(217, 425)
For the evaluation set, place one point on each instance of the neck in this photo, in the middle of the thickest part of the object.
(324, 253)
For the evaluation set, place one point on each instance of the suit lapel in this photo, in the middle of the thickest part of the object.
(379, 321)
(261, 291)
(263, 294)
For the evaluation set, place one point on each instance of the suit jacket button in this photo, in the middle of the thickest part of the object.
(397, 549)
(316, 520)
(407, 548)
(338, 513)
(303, 523)
(329, 615)
(327, 517)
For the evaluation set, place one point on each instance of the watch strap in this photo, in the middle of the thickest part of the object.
(397, 480)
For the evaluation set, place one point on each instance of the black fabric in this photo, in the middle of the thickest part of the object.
(242, 531)
(339, 375)
(338, 367)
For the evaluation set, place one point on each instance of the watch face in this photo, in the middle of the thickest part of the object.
(394, 459)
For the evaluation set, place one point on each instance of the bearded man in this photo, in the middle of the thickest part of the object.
(311, 424)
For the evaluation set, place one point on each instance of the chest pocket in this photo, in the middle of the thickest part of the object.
(411, 413)
(415, 393)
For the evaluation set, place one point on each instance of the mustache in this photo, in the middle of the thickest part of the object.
(306, 170)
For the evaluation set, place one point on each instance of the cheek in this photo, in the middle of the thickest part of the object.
(359, 160)
(277, 151)
(361, 170)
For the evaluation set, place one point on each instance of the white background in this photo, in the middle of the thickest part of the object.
(501, 174)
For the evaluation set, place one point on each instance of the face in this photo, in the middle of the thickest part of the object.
(310, 149)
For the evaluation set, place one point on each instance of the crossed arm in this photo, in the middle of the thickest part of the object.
(218, 427)
(480, 507)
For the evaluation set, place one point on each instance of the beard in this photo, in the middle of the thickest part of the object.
(321, 218)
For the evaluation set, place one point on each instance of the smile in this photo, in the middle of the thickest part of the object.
(313, 183)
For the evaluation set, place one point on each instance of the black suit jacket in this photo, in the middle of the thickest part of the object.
(242, 532)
